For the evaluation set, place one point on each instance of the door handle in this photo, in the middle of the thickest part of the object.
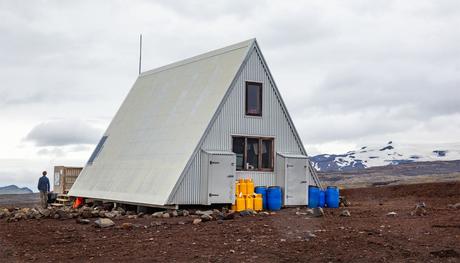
(230, 176)
(289, 165)
(211, 195)
(211, 162)
(303, 182)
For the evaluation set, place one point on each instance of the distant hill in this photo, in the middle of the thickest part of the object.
(13, 189)
(388, 154)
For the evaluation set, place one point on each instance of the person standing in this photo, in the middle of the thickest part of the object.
(44, 188)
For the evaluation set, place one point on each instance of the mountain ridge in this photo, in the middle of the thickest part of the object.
(14, 189)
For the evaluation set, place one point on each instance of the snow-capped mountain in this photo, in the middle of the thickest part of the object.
(388, 154)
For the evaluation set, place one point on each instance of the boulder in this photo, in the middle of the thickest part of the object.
(165, 215)
(63, 214)
(157, 214)
(86, 214)
(104, 222)
(174, 213)
(44, 212)
(110, 214)
(205, 218)
(207, 212)
(196, 221)
(345, 213)
(229, 216)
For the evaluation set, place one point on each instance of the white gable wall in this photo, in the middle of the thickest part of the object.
(233, 121)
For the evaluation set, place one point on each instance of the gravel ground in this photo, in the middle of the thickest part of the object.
(368, 235)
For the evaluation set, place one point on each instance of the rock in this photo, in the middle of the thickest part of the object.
(130, 213)
(110, 214)
(315, 212)
(127, 226)
(343, 202)
(419, 210)
(165, 215)
(196, 221)
(19, 215)
(345, 213)
(95, 213)
(44, 212)
(86, 214)
(207, 212)
(218, 215)
(104, 222)
(119, 209)
(392, 214)
(141, 214)
(229, 216)
(82, 221)
(56, 216)
(454, 206)
(246, 213)
(131, 216)
(185, 213)
(157, 214)
(264, 213)
(300, 213)
(309, 235)
(174, 213)
(205, 218)
(63, 214)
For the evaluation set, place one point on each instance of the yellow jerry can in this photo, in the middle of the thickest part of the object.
(242, 187)
(258, 202)
(240, 203)
(249, 202)
(249, 187)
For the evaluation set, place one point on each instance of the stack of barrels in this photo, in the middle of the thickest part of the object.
(246, 198)
(322, 198)
(257, 198)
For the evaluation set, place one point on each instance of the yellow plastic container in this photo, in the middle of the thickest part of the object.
(240, 203)
(233, 207)
(258, 202)
(249, 202)
(243, 189)
(249, 187)
(237, 188)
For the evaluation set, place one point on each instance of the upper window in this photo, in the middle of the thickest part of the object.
(253, 153)
(253, 99)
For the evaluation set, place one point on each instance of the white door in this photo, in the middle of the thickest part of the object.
(221, 178)
(296, 181)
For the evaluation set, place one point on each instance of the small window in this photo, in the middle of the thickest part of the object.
(253, 99)
(253, 153)
(238, 149)
(97, 150)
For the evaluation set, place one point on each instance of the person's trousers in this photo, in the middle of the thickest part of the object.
(44, 199)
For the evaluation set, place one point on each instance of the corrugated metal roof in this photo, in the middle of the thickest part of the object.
(158, 126)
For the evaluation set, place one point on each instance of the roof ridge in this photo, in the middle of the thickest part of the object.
(206, 55)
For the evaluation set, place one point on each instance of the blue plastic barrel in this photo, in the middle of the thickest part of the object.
(322, 198)
(263, 191)
(274, 198)
(332, 197)
(313, 196)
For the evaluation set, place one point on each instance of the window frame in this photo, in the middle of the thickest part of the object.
(259, 157)
(260, 86)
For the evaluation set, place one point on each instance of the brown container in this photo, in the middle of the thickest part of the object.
(64, 178)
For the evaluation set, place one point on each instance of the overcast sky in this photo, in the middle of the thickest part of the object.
(351, 72)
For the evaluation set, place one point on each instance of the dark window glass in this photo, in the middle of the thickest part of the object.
(253, 99)
(238, 149)
(267, 154)
(97, 150)
(252, 154)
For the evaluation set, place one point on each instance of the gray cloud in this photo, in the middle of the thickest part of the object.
(63, 132)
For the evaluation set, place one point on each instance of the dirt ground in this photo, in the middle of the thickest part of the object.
(367, 236)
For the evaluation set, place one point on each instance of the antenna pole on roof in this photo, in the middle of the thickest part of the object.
(140, 53)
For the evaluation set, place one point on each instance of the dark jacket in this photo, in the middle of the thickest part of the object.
(44, 184)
